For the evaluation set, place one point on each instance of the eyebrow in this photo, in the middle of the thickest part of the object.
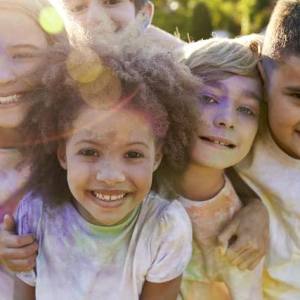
(93, 142)
(293, 89)
(251, 94)
(221, 87)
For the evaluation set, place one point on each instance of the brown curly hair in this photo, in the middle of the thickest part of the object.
(150, 81)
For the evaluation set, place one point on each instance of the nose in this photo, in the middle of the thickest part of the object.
(97, 17)
(7, 74)
(225, 118)
(110, 173)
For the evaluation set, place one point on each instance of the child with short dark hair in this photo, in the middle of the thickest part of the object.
(104, 123)
(273, 167)
(97, 17)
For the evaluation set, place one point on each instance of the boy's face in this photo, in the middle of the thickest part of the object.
(20, 57)
(101, 15)
(228, 121)
(109, 160)
(283, 96)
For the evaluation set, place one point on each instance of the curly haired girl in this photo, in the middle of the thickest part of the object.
(92, 174)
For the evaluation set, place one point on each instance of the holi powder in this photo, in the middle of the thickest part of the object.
(50, 20)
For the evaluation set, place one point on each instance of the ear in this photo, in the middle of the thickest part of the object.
(61, 155)
(158, 156)
(148, 9)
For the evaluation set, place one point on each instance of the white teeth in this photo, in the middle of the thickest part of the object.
(101, 196)
(219, 143)
(9, 99)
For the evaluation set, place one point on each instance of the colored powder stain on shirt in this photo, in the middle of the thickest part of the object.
(104, 264)
(273, 287)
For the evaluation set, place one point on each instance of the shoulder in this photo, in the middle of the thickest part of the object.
(29, 213)
(167, 236)
(165, 218)
(165, 39)
(31, 203)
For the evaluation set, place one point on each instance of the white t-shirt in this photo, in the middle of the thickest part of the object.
(13, 176)
(208, 264)
(275, 177)
(78, 260)
(6, 285)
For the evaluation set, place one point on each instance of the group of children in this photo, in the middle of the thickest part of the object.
(119, 148)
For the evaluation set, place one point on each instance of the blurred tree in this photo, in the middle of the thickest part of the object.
(199, 18)
(201, 22)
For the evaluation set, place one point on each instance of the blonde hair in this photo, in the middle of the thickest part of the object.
(217, 58)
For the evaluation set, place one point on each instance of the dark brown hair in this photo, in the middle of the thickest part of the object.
(140, 3)
(151, 82)
(283, 32)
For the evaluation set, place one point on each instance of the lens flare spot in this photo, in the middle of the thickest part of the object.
(50, 20)
(84, 65)
(104, 92)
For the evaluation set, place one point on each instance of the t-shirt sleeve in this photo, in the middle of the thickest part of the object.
(208, 216)
(28, 216)
(171, 244)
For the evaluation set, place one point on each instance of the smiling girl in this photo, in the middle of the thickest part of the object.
(91, 190)
(22, 42)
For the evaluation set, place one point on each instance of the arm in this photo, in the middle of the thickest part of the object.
(164, 38)
(246, 238)
(161, 291)
(17, 253)
(22, 291)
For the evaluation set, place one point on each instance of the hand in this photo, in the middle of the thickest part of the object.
(17, 253)
(245, 239)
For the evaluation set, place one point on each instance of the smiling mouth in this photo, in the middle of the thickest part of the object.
(217, 141)
(115, 197)
(8, 100)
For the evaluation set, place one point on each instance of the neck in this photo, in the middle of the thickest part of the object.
(200, 183)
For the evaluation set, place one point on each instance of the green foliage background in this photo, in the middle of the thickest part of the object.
(195, 19)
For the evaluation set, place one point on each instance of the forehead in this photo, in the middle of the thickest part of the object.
(237, 85)
(25, 29)
(112, 125)
(74, 2)
(288, 70)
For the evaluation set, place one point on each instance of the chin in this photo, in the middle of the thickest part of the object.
(11, 123)
(12, 120)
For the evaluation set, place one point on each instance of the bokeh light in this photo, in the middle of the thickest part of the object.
(51, 21)
(84, 65)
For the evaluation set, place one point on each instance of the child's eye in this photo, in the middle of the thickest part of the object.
(295, 95)
(78, 8)
(208, 99)
(134, 154)
(110, 2)
(89, 152)
(246, 110)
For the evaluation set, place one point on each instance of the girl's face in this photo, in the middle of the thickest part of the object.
(109, 160)
(228, 121)
(21, 43)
